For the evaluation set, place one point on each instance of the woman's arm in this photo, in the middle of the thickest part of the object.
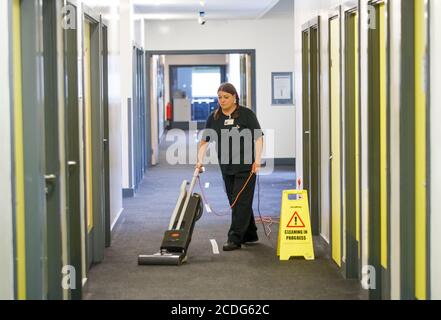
(201, 154)
(258, 160)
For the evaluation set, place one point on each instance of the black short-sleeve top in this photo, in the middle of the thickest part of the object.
(234, 139)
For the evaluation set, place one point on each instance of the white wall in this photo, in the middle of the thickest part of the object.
(137, 25)
(271, 37)
(435, 136)
(6, 226)
(115, 123)
(126, 79)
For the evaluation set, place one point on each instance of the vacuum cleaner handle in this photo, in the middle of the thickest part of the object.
(194, 180)
(187, 199)
(178, 204)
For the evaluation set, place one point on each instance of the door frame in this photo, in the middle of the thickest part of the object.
(407, 154)
(95, 239)
(138, 114)
(306, 122)
(375, 235)
(250, 52)
(335, 14)
(72, 155)
(106, 133)
(33, 147)
(223, 72)
(53, 174)
(133, 117)
(351, 261)
(314, 177)
(148, 113)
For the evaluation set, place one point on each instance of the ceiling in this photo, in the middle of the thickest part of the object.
(214, 9)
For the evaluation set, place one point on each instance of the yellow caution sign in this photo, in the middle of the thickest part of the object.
(295, 237)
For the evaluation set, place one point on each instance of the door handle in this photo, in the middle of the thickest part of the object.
(331, 157)
(50, 181)
(50, 177)
(71, 165)
(307, 132)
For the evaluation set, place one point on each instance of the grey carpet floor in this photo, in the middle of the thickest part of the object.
(253, 272)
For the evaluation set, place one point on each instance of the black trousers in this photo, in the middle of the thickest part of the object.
(243, 226)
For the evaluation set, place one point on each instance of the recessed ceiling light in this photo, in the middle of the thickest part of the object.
(201, 18)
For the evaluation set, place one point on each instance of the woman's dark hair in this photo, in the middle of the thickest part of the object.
(228, 88)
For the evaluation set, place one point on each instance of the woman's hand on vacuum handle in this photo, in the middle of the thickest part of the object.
(257, 162)
(256, 167)
(200, 167)
(201, 155)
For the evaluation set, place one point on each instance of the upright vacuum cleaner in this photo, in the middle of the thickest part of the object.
(177, 238)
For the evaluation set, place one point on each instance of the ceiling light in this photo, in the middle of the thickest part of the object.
(201, 19)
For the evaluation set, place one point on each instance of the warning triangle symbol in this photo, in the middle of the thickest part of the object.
(296, 221)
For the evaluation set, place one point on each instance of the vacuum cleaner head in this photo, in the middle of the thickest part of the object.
(162, 259)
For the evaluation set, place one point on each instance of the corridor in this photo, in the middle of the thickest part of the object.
(252, 273)
(338, 100)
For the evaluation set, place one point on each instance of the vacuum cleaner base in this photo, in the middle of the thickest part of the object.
(162, 259)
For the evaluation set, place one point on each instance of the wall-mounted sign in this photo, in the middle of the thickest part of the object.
(282, 88)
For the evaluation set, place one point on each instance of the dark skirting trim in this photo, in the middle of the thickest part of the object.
(285, 162)
(186, 125)
(128, 193)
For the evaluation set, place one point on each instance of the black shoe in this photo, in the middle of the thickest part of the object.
(230, 246)
(251, 239)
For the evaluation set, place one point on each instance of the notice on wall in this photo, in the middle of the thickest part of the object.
(282, 87)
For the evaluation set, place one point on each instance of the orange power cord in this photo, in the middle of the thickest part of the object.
(269, 220)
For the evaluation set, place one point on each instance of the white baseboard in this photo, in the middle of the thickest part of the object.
(116, 219)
